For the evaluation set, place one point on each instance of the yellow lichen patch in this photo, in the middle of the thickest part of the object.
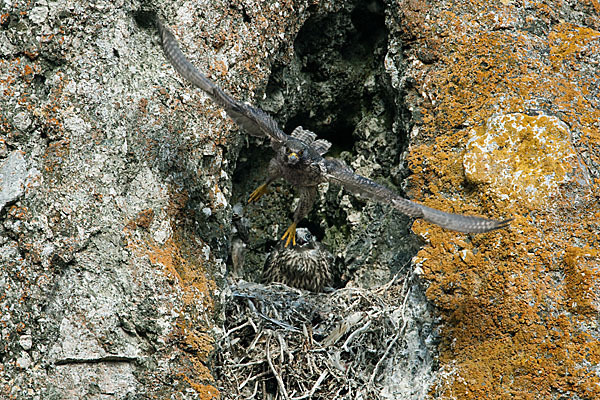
(180, 261)
(519, 306)
(569, 39)
(520, 158)
(583, 279)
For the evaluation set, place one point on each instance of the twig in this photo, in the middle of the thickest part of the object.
(387, 351)
(315, 386)
(354, 334)
(251, 378)
(396, 337)
(252, 323)
(285, 346)
(255, 390)
(256, 339)
(237, 328)
(283, 325)
(282, 346)
(277, 377)
(248, 364)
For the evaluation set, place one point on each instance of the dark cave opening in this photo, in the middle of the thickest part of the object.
(323, 87)
(336, 86)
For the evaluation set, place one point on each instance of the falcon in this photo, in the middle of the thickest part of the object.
(305, 266)
(299, 158)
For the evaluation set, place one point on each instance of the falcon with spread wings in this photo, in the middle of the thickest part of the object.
(299, 158)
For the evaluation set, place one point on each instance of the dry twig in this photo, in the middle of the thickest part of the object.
(279, 380)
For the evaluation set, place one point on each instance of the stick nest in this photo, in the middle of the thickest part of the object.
(282, 343)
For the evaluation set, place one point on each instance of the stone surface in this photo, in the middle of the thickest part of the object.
(522, 158)
(118, 183)
(109, 165)
(506, 125)
(13, 172)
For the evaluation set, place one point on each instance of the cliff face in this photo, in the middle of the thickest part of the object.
(506, 107)
(117, 183)
(115, 191)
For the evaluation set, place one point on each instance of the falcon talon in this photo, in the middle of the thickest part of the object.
(290, 234)
(258, 193)
(299, 157)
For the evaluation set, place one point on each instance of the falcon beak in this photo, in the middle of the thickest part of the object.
(293, 158)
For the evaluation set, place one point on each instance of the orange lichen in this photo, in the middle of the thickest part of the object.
(519, 305)
(143, 106)
(21, 213)
(206, 392)
(582, 274)
(190, 275)
(523, 156)
(196, 342)
(180, 260)
(145, 218)
(568, 40)
(187, 271)
(219, 68)
(55, 154)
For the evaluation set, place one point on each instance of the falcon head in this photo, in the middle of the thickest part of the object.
(295, 152)
(303, 147)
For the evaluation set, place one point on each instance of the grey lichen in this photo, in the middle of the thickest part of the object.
(13, 173)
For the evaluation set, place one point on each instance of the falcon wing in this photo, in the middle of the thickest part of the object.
(338, 172)
(253, 120)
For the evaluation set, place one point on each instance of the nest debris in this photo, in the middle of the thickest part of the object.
(283, 343)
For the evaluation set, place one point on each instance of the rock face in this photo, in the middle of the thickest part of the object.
(115, 186)
(506, 106)
(118, 180)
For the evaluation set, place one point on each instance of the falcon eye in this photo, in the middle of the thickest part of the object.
(300, 153)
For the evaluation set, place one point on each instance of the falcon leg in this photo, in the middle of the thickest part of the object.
(290, 234)
(258, 193)
(308, 194)
(274, 173)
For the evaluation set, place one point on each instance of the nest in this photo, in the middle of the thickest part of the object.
(282, 343)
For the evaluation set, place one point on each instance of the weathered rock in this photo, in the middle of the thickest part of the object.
(108, 253)
(522, 158)
(118, 179)
(13, 172)
(506, 124)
